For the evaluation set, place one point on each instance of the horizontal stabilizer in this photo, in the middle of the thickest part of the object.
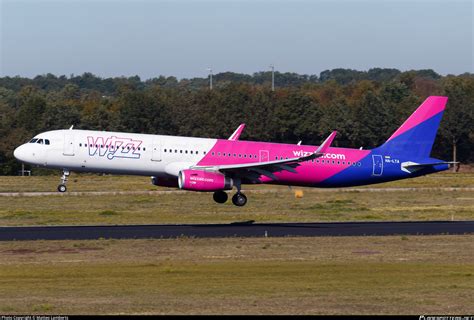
(413, 166)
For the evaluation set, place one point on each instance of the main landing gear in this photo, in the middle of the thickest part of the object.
(239, 199)
(62, 186)
(220, 196)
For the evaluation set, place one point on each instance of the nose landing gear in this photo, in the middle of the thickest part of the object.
(62, 186)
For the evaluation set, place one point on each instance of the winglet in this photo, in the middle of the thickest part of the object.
(326, 144)
(236, 134)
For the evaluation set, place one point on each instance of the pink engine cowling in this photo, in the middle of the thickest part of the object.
(200, 180)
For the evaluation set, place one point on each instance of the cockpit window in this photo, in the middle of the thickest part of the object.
(33, 140)
(46, 141)
(40, 141)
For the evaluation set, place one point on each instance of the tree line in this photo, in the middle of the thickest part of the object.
(366, 107)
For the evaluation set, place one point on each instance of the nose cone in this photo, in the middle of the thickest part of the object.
(20, 153)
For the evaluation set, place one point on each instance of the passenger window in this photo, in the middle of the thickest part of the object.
(80, 144)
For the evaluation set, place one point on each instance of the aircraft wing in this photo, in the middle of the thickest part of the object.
(252, 171)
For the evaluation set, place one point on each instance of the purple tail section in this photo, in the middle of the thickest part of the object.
(417, 134)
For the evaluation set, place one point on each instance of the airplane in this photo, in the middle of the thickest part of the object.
(217, 165)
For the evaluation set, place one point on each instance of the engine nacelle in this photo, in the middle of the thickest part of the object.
(164, 182)
(200, 180)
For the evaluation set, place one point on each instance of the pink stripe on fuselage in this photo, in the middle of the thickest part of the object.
(428, 109)
(308, 173)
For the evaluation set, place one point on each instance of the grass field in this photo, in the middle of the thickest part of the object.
(266, 203)
(339, 275)
(325, 275)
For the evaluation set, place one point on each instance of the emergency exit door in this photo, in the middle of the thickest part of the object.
(68, 148)
(156, 151)
(377, 165)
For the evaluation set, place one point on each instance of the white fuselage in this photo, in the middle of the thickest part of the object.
(115, 152)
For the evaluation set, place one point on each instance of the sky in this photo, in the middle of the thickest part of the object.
(183, 38)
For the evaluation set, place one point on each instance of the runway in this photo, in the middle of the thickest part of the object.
(239, 229)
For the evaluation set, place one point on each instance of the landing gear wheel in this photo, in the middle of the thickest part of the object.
(239, 199)
(220, 196)
(62, 185)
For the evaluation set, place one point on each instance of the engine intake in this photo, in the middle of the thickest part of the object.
(200, 180)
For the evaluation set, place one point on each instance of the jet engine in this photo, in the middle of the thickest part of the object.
(200, 180)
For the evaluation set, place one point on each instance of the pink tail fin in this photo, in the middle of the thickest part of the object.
(429, 108)
(416, 135)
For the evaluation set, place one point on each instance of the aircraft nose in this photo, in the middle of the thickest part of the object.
(20, 153)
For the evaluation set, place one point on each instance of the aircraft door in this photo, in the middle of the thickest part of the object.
(377, 165)
(156, 151)
(264, 157)
(68, 149)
